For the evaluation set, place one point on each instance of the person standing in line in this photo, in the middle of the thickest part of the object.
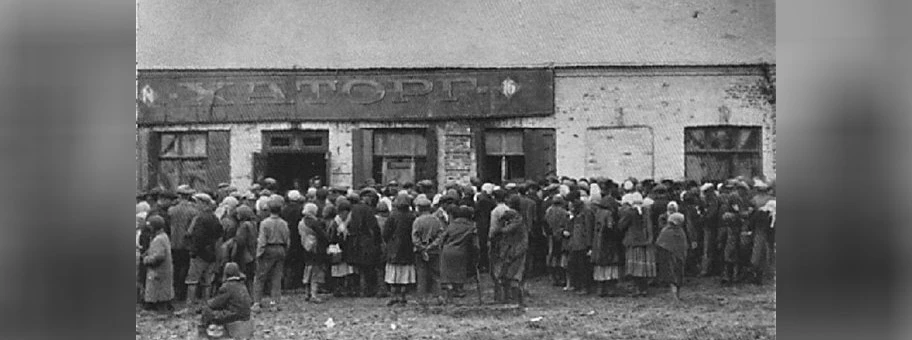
(582, 222)
(639, 253)
(425, 231)
(341, 272)
(294, 260)
(314, 242)
(558, 219)
(245, 244)
(510, 240)
(204, 233)
(671, 252)
(494, 253)
(711, 219)
(397, 232)
(484, 204)
(607, 248)
(159, 290)
(458, 244)
(272, 246)
(180, 215)
(363, 247)
(382, 213)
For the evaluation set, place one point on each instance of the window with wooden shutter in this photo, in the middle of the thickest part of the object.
(183, 159)
(717, 153)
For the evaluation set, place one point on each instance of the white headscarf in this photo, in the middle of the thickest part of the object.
(488, 188)
(634, 199)
(770, 207)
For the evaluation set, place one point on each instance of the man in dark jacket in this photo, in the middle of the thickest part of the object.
(178, 223)
(230, 304)
(294, 259)
(483, 207)
(205, 232)
(582, 222)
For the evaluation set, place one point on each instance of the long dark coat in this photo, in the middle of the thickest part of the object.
(291, 213)
(363, 241)
(397, 233)
(632, 223)
(558, 220)
(459, 243)
(511, 241)
(315, 225)
(160, 270)
(607, 246)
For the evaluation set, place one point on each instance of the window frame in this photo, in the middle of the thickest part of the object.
(179, 138)
(732, 154)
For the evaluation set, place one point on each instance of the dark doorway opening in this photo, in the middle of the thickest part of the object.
(292, 170)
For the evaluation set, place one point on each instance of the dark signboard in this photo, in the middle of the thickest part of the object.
(170, 97)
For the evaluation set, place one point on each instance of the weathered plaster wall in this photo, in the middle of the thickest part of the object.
(661, 100)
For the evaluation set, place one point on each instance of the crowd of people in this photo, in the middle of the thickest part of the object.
(586, 235)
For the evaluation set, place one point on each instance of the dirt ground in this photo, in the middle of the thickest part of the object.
(707, 311)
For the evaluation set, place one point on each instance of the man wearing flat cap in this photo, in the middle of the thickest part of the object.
(205, 231)
(180, 215)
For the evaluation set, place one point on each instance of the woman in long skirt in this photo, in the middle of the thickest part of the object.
(639, 252)
(397, 233)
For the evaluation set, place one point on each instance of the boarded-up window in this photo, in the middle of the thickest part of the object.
(620, 152)
(721, 152)
(403, 155)
(504, 142)
(189, 157)
(399, 143)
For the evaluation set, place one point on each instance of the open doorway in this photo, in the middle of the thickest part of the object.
(292, 170)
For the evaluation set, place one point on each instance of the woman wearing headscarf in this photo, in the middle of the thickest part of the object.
(729, 236)
(607, 248)
(558, 219)
(671, 248)
(639, 251)
(312, 231)
(761, 225)
(143, 238)
(510, 241)
(459, 244)
(363, 246)
(245, 243)
(160, 272)
(342, 273)
(226, 245)
(400, 264)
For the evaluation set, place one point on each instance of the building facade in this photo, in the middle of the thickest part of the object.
(351, 126)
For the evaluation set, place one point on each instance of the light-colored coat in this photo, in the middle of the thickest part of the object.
(160, 273)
